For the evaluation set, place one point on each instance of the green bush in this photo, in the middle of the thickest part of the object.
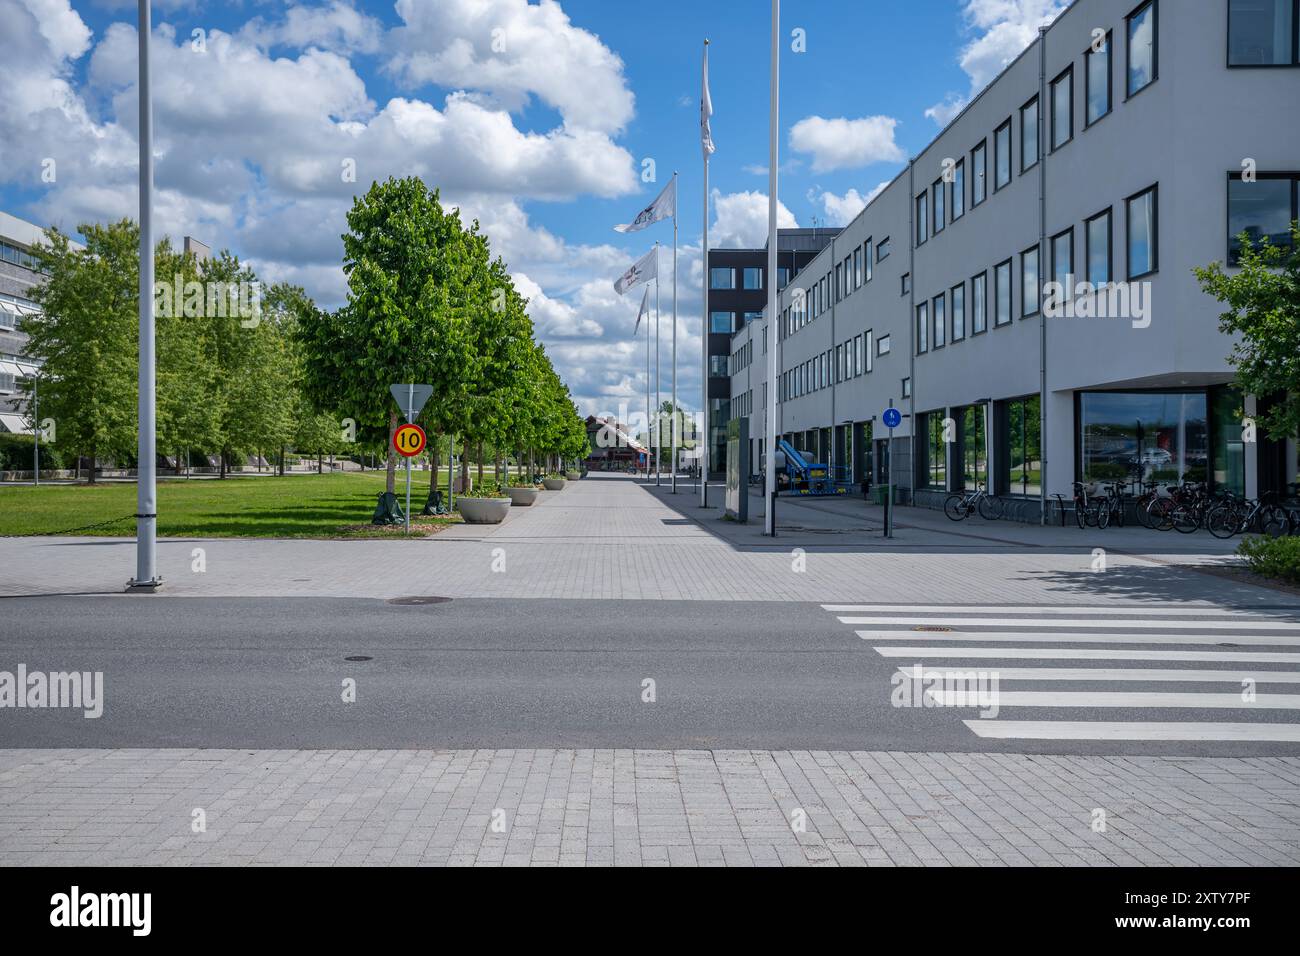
(16, 454)
(1277, 558)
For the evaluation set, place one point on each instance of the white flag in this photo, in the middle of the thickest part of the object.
(644, 269)
(706, 108)
(661, 208)
(645, 307)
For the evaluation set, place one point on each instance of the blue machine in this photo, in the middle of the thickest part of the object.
(803, 477)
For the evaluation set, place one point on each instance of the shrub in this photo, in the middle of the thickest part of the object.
(1277, 558)
(16, 454)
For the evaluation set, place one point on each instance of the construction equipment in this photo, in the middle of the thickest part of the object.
(798, 476)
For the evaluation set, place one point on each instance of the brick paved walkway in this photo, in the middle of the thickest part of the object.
(584, 807)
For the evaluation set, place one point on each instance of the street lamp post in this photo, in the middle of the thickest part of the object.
(146, 518)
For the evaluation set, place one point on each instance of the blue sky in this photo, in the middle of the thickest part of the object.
(535, 118)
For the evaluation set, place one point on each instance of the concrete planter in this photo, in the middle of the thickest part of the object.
(483, 510)
(553, 484)
(573, 475)
(522, 497)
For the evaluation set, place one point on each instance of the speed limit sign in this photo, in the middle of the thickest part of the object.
(409, 440)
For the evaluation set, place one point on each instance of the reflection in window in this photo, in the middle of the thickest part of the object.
(974, 448)
(958, 312)
(1142, 48)
(722, 278)
(1260, 209)
(721, 322)
(1098, 82)
(978, 184)
(979, 301)
(1154, 436)
(1098, 240)
(1002, 293)
(1023, 449)
(1142, 235)
(1261, 32)
(1002, 155)
(936, 451)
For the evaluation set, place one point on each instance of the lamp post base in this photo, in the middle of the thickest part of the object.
(143, 587)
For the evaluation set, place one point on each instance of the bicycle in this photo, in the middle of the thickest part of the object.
(1235, 516)
(961, 505)
(1089, 511)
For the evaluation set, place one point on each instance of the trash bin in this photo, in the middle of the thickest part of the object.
(388, 510)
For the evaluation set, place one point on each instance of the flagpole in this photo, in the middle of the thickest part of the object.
(658, 435)
(647, 394)
(769, 467)
(673, 461)
(704, 321)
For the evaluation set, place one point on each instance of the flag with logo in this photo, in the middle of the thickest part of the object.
(643, 270)
(706, 110)
(661, 208)
(645, 307)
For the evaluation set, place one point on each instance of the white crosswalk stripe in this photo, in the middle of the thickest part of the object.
(950, 655)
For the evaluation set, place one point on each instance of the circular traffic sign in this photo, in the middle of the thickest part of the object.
(409, 440)
(893, 417)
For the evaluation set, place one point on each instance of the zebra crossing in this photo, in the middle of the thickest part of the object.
(1200, 672)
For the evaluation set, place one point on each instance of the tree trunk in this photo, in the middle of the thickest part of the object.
(90, 470)
(478, 455)
(435, 459)
(320, 463)
(464, 470)
(282, 461)
(224, 465)
(391, 481)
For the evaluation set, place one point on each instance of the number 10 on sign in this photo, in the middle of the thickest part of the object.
(408, 441)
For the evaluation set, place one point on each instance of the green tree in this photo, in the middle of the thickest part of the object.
(1263, 308)
(188, 380)
(87, 338)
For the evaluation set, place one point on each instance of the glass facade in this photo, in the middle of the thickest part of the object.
(1228, 471)
(1142, 48)
(1154, 436)
(1262, 209)
(936, 451)
(1021, 456)
(1261, 32)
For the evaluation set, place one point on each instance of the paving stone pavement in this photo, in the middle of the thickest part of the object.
(637, 807)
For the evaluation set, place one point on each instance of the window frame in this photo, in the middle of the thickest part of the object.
(957, 189)
(1295, 44)
(868, 251)
(1154, 5)
(938, 322)
(1154, 190)
(1109, 213)
(905, 283)
(938, 207)
(1036, 251)
(952, 311)
(1051, 254)
(921, 217)
(922, 327)
(722, 288)
(1231, 259)
(1088, 54)
(1066, 75)
(1007, 125)
(1038, 146)
(883, 244)
(980, 149)
(1009, 265)
(884, 346)
(982, 279)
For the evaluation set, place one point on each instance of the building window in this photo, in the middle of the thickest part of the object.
(972, 463)
(722, 278)
(939, 308)
(860, 355)
(753, 278)
(857, 269)
(1143, 48)
(1002, 156)
(1098, 81)
(839, 282)
(718, 366)
(1063, 108)
(978, 172)
(1152, 436)
(722, 322)
(922, 328)
(882, 249)
(1098, 242)
(1262, 32)
(957, 192)
(868, 356)
(979, 303)
(866, 260)
(1030, 288)
(922, 218)
(1063, 261)
(1029, 134)
(1002, 293)
(907, 283)
(1262, 210)
(840, 374)
(752, 317)
(936, 452)
(907, 388)
(882, 345)
(1143, 234)
(939, 213)
(7, 382)
(1022, 447)
(959, 312)
(782, 277)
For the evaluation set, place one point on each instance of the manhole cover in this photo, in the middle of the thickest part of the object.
(426, 599)
(358, 657)
(930, 627)
(1230, 645)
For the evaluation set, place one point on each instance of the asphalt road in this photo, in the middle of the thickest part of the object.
(268, 673)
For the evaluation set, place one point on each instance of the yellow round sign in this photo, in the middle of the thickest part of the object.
(409, 440)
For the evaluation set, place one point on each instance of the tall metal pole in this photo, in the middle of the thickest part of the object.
(676, 417)
(769, 467)
(657, 440)
(648, 443)
(146, 518)
(36, 427)
(703, 458)
(410, 416)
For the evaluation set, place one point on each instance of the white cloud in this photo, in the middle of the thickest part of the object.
(840, 210)
(740, 220)
(1005, 28)
(846, 143)
(337, 26)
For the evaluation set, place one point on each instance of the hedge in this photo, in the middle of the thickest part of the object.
(16, 454)
(1277, 558)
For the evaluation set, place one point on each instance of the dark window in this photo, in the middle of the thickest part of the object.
(936, 452)
(979, 303)
(1030, 282)
(1098, 239)
(1155, 436)
(722, 278)
(1029, 134)
(722, 322)
(922, 218)
(1063, 260)
(939, 309)
(957, 192)
(753, 278)
(1022, 449)
(1002, 293)
(978, 173)
(1002, 156)
(1143, 233)
(939, 214)
(907, 282)
(1262, 209)
(959, 312)
(1063, 108)
(922, 328)
(1262, 32)
(882, 249)
(1143, 63)
(1098, 80)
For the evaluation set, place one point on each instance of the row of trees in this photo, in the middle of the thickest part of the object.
(426, 303)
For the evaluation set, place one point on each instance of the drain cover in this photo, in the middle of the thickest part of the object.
(358, 657)
(930, 627)
(425, 599)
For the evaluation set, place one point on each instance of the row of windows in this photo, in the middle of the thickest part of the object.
(849, 275)
(725, 277)
(743, 357)
(852, 358)
(743, 405)
(945, 317)
(944, 202)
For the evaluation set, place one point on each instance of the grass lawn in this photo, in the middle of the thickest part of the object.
(296, 506)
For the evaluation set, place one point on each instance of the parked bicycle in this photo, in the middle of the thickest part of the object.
(962, 505)
(1234, 515)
